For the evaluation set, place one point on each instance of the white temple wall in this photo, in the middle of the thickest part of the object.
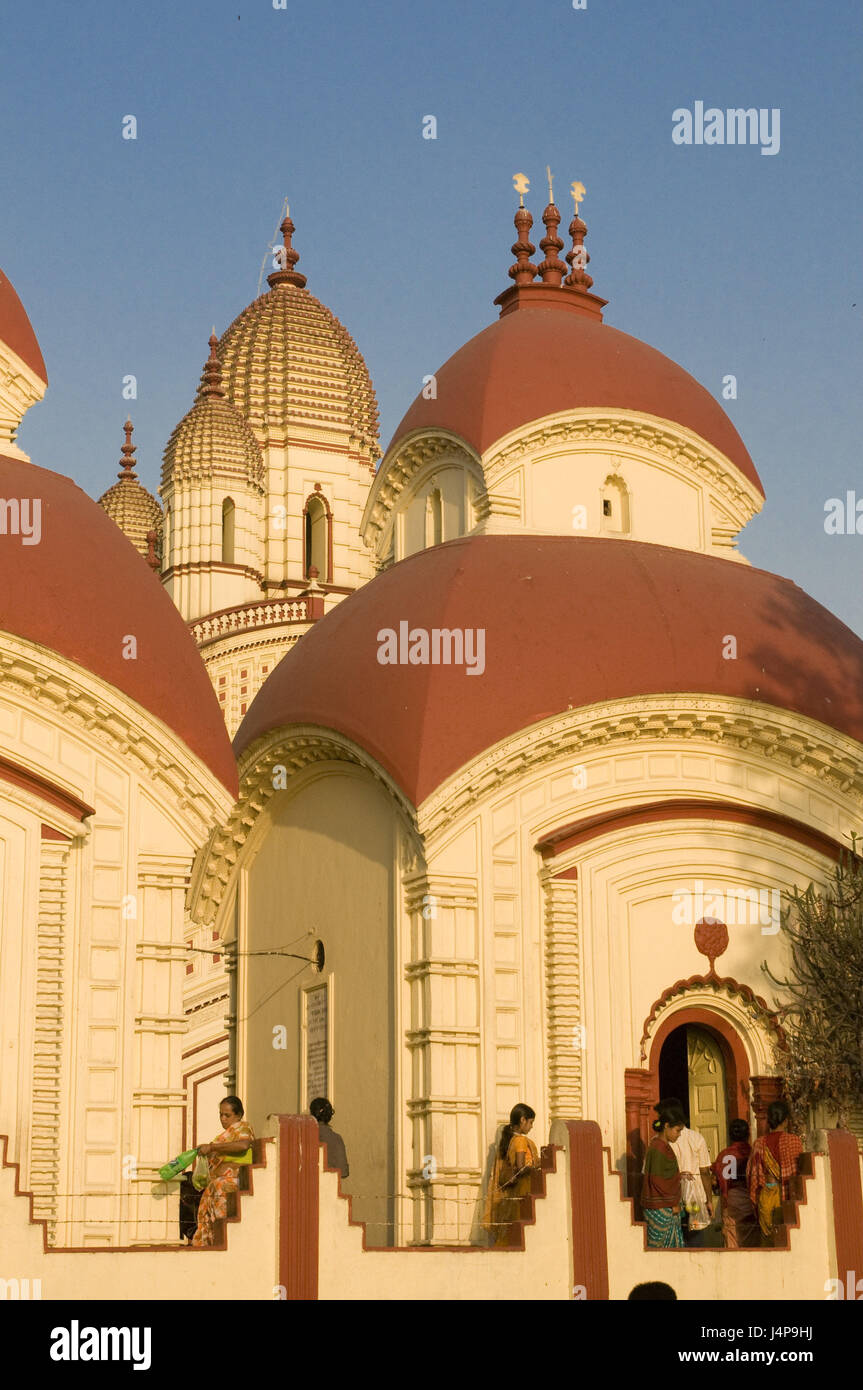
(292, 472)
(92, 970)
(556, 956)
(321, 865)
(662, 483)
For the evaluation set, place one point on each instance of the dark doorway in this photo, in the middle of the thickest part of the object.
(674, 1069)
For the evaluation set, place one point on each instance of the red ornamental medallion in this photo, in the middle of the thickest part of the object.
(711, 938)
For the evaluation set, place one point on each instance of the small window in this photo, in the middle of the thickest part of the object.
(434, 518)
(317, 538)
(615, 506)
(227, 532)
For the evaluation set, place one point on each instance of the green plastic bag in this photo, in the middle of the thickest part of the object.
(176, 1166)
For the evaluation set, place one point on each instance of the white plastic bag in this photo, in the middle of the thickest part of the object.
(200, 1173)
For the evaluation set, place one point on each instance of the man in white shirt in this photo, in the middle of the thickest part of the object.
(696, 1183)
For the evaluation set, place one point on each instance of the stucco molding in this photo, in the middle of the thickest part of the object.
(294, 750)
(563, 996)
(756, 1023)
(49, 1080)
(764, 731)
(401, 469)
(631, 433)
(20, 388)
(103, 714)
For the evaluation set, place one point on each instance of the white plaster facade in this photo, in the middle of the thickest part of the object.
(579, 472)
(93, 959)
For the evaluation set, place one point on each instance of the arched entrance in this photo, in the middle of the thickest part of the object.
(697, 1055)
(715, 1050)
(692, 1067)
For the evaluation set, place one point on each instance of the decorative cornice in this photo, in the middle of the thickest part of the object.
(41, 787)
(217, 859)
(721, 985)
(685, 451)
(401, 467)
(790, 740)
(690, 808)
(20, 388)
(222, 648)
(111, 718)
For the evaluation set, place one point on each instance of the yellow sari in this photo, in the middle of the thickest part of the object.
(505, 1191)
(770, 1196)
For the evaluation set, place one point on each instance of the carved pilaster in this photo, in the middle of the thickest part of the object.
(46, 1139)
(563, 998)
(443, 1039)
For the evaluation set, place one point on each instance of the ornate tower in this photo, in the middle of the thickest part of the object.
(265, 481)
(132, 507)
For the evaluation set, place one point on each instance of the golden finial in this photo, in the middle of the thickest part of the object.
(549, 176)
(578, 190)
(521, 184)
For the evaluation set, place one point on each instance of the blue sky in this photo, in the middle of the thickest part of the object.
(126, 252)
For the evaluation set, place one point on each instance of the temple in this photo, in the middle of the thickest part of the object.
(425, 886)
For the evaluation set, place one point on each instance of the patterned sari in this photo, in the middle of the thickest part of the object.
(772, 1164)
(503, 1203)
(223, 1180)
(660, 1197)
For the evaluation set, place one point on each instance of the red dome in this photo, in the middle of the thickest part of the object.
(569, 621)
(541, 359)
(16, 330)
(83, 589)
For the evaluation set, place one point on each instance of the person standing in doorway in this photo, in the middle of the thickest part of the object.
(336, 1156)
(696, 1183)
(739, 1226)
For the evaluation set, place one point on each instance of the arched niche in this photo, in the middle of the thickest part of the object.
(228, 515)
(614, 517)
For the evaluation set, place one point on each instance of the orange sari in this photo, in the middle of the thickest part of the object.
(503, 1202)
(223, 1181)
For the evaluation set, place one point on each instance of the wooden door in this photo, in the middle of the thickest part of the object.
(708, 1104)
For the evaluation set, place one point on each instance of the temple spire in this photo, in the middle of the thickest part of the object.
(128, 461)
(287, 258)
(211, 377)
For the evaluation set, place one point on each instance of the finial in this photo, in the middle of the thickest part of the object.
(579, 256)
(128, 461)
(151, 556)
(211, 377)
(550, 178)
(523, 272)
(286, 258)
(552, 269)
(521, 183)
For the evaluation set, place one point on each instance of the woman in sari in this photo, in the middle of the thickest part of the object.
(772, 1163)
(660, 1194)
(234, 1140)
(515, 1162)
